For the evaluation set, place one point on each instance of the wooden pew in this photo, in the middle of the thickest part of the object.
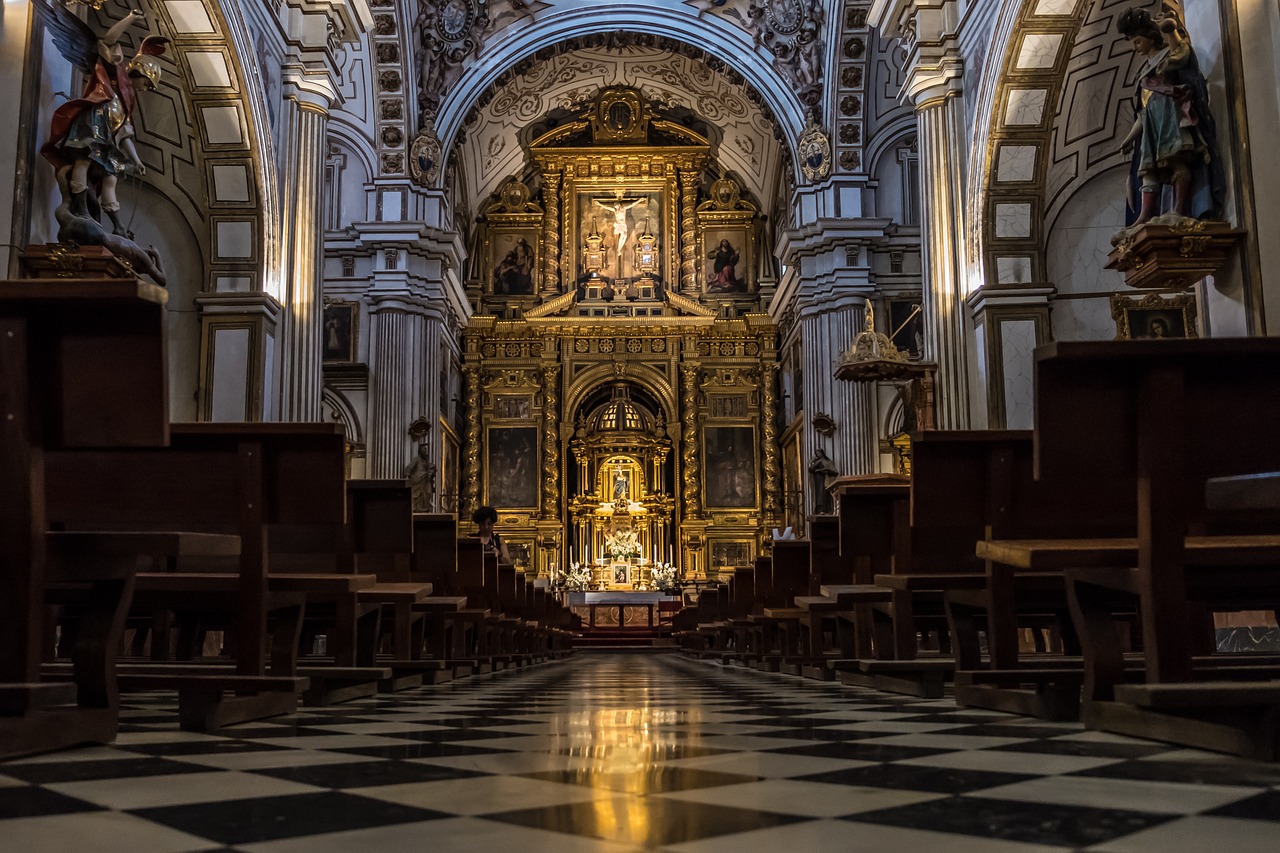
(450, 622)
(228, 478)
(1161, 418)
(82, 364)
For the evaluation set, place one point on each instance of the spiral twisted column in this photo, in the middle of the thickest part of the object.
(551, 233)
(550, 441)
(692, 476)
(688, 232)
(772, 471)
(471, 462)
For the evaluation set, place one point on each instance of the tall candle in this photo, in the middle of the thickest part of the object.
(571, 555)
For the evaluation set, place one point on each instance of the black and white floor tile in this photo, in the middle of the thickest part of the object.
(619, 753)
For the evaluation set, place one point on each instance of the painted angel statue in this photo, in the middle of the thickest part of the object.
(91, 138)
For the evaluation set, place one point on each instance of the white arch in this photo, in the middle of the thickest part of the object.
(711, 34)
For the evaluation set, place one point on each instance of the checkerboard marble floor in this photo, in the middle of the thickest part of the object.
(611, 752)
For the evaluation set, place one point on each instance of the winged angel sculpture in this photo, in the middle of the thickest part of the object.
(91, 138)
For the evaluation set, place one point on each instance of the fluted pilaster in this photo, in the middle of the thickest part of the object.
(826, 335)
(303, 144)
(397, 383)
(946, 324)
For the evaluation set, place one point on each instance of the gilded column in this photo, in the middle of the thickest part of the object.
(471, 462)
(688, 232)
(304, 123)
(551, 441)
(692, 475)
(551, 234)
(946, 320)
(769, 429)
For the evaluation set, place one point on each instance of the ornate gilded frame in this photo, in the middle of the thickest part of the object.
(1144, 317)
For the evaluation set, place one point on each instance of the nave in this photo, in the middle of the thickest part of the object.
(618, 752)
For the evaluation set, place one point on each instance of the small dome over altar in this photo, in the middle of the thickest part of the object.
(620, 414)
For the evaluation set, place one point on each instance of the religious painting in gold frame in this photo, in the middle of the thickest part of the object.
(730, 472)
(514, 262)
(511, 474)
(619, 217)
(728, 259)
(448, 468)
(1154, 316)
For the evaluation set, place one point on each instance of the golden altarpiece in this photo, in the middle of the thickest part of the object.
(620, 375)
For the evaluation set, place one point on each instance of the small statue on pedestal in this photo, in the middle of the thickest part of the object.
(421, 475)
(91, 138)
(1173, 140)
(822, 471)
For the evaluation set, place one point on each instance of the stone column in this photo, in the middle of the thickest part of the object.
(927, 31)
(303, 123)
(946, 321)
(396, 382)
(551, 234)
(829, 327)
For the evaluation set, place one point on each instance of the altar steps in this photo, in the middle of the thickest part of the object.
(623, 638)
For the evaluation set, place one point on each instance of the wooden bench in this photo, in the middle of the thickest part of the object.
(224, 479)
(1153, 418)
(82, 364)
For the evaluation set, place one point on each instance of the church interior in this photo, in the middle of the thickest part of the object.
(695, 425)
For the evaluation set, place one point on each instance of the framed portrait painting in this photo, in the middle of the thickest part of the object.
(1154, 316)
(728, 254)
(730, 466)
(513, 261)
(338, 342)
(511, 470)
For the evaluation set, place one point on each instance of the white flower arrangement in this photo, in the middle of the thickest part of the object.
(622, 544)
(577, 577)
(663, 575)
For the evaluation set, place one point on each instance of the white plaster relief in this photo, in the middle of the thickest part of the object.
(189, 16)
(1056, 7)
(209, 69)
(1013, 220)
(234, 239)
(1013, 270)
(222, 125)
(1039, 50)
(1017, 343)
(230, 183)
(1025, 106)
(1016, 163)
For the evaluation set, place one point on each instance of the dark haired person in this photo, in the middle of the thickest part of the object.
(485, 518)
